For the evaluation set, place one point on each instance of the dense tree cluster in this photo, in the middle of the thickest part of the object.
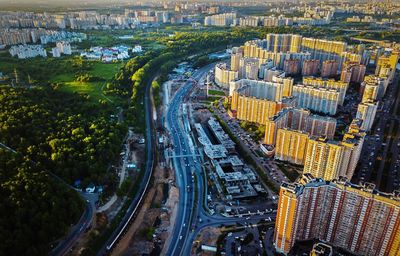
(186, 43)
(62, 132)
(35, 209)
(121, 84)
(140, 79)
(155, 86)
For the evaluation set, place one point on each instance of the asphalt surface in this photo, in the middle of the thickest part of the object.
(183, 165)
(378, 145)
(66, 243)
(84, 223)
(150, 146)
(192, 215)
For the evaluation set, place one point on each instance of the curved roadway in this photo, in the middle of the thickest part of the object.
(120, 230)
(192, 215)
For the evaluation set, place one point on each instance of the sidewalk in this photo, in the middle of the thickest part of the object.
(122, 175)
(108, 204)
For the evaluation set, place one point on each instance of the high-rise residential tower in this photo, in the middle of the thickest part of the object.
(357, 218)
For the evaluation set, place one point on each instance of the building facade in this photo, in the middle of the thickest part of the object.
(357, 218)
(223, 75)
(329, 68)
(329, 84)
(366, 111)
(321, 100)
(291, 145)
(352, 72)
(300, 120)
(310, 67)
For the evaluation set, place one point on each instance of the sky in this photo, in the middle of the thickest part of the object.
(42, 4)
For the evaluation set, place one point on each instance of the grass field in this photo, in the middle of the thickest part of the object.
(104, 71)
(61, 71)
(216, 92)
(93, 89)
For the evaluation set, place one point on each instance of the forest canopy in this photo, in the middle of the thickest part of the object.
(64, 133)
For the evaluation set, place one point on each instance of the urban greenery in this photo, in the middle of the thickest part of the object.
(35, 208)
(66, 133)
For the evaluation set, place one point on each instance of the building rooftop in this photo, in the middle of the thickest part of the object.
(367, 189)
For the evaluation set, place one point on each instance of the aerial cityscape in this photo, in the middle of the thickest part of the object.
(199, 127)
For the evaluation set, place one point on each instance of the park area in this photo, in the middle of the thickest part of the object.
(69, 74)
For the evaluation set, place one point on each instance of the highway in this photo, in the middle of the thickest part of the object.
(135, 204)
(192, 215)
(184, 164)
(379, 143)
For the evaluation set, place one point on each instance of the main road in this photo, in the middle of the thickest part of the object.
(192, 215)
(185, 164)
(135, 204)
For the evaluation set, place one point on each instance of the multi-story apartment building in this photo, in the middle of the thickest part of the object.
(353, 141)
(352, 72)
(370, 92)
(27, 51)
(323, 158)
(329, 159)
(56, 52)
(224, 19)
(329, 68)
(283, 43)
(268, 72)
(248, 68)
(299, 120)
(237, 54)
(291, 67)
(373, 88)
(322, 100)
(249, 21)
(321, 126)
(366, 111)
(275, 90)
(357, 218)
(322, 49)
(310, 67)
(255, 101)
(64, 47)
(329, 84)
(223, 75)
(291, 145)
(276, 21)
(389, 61)
(261, 50)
